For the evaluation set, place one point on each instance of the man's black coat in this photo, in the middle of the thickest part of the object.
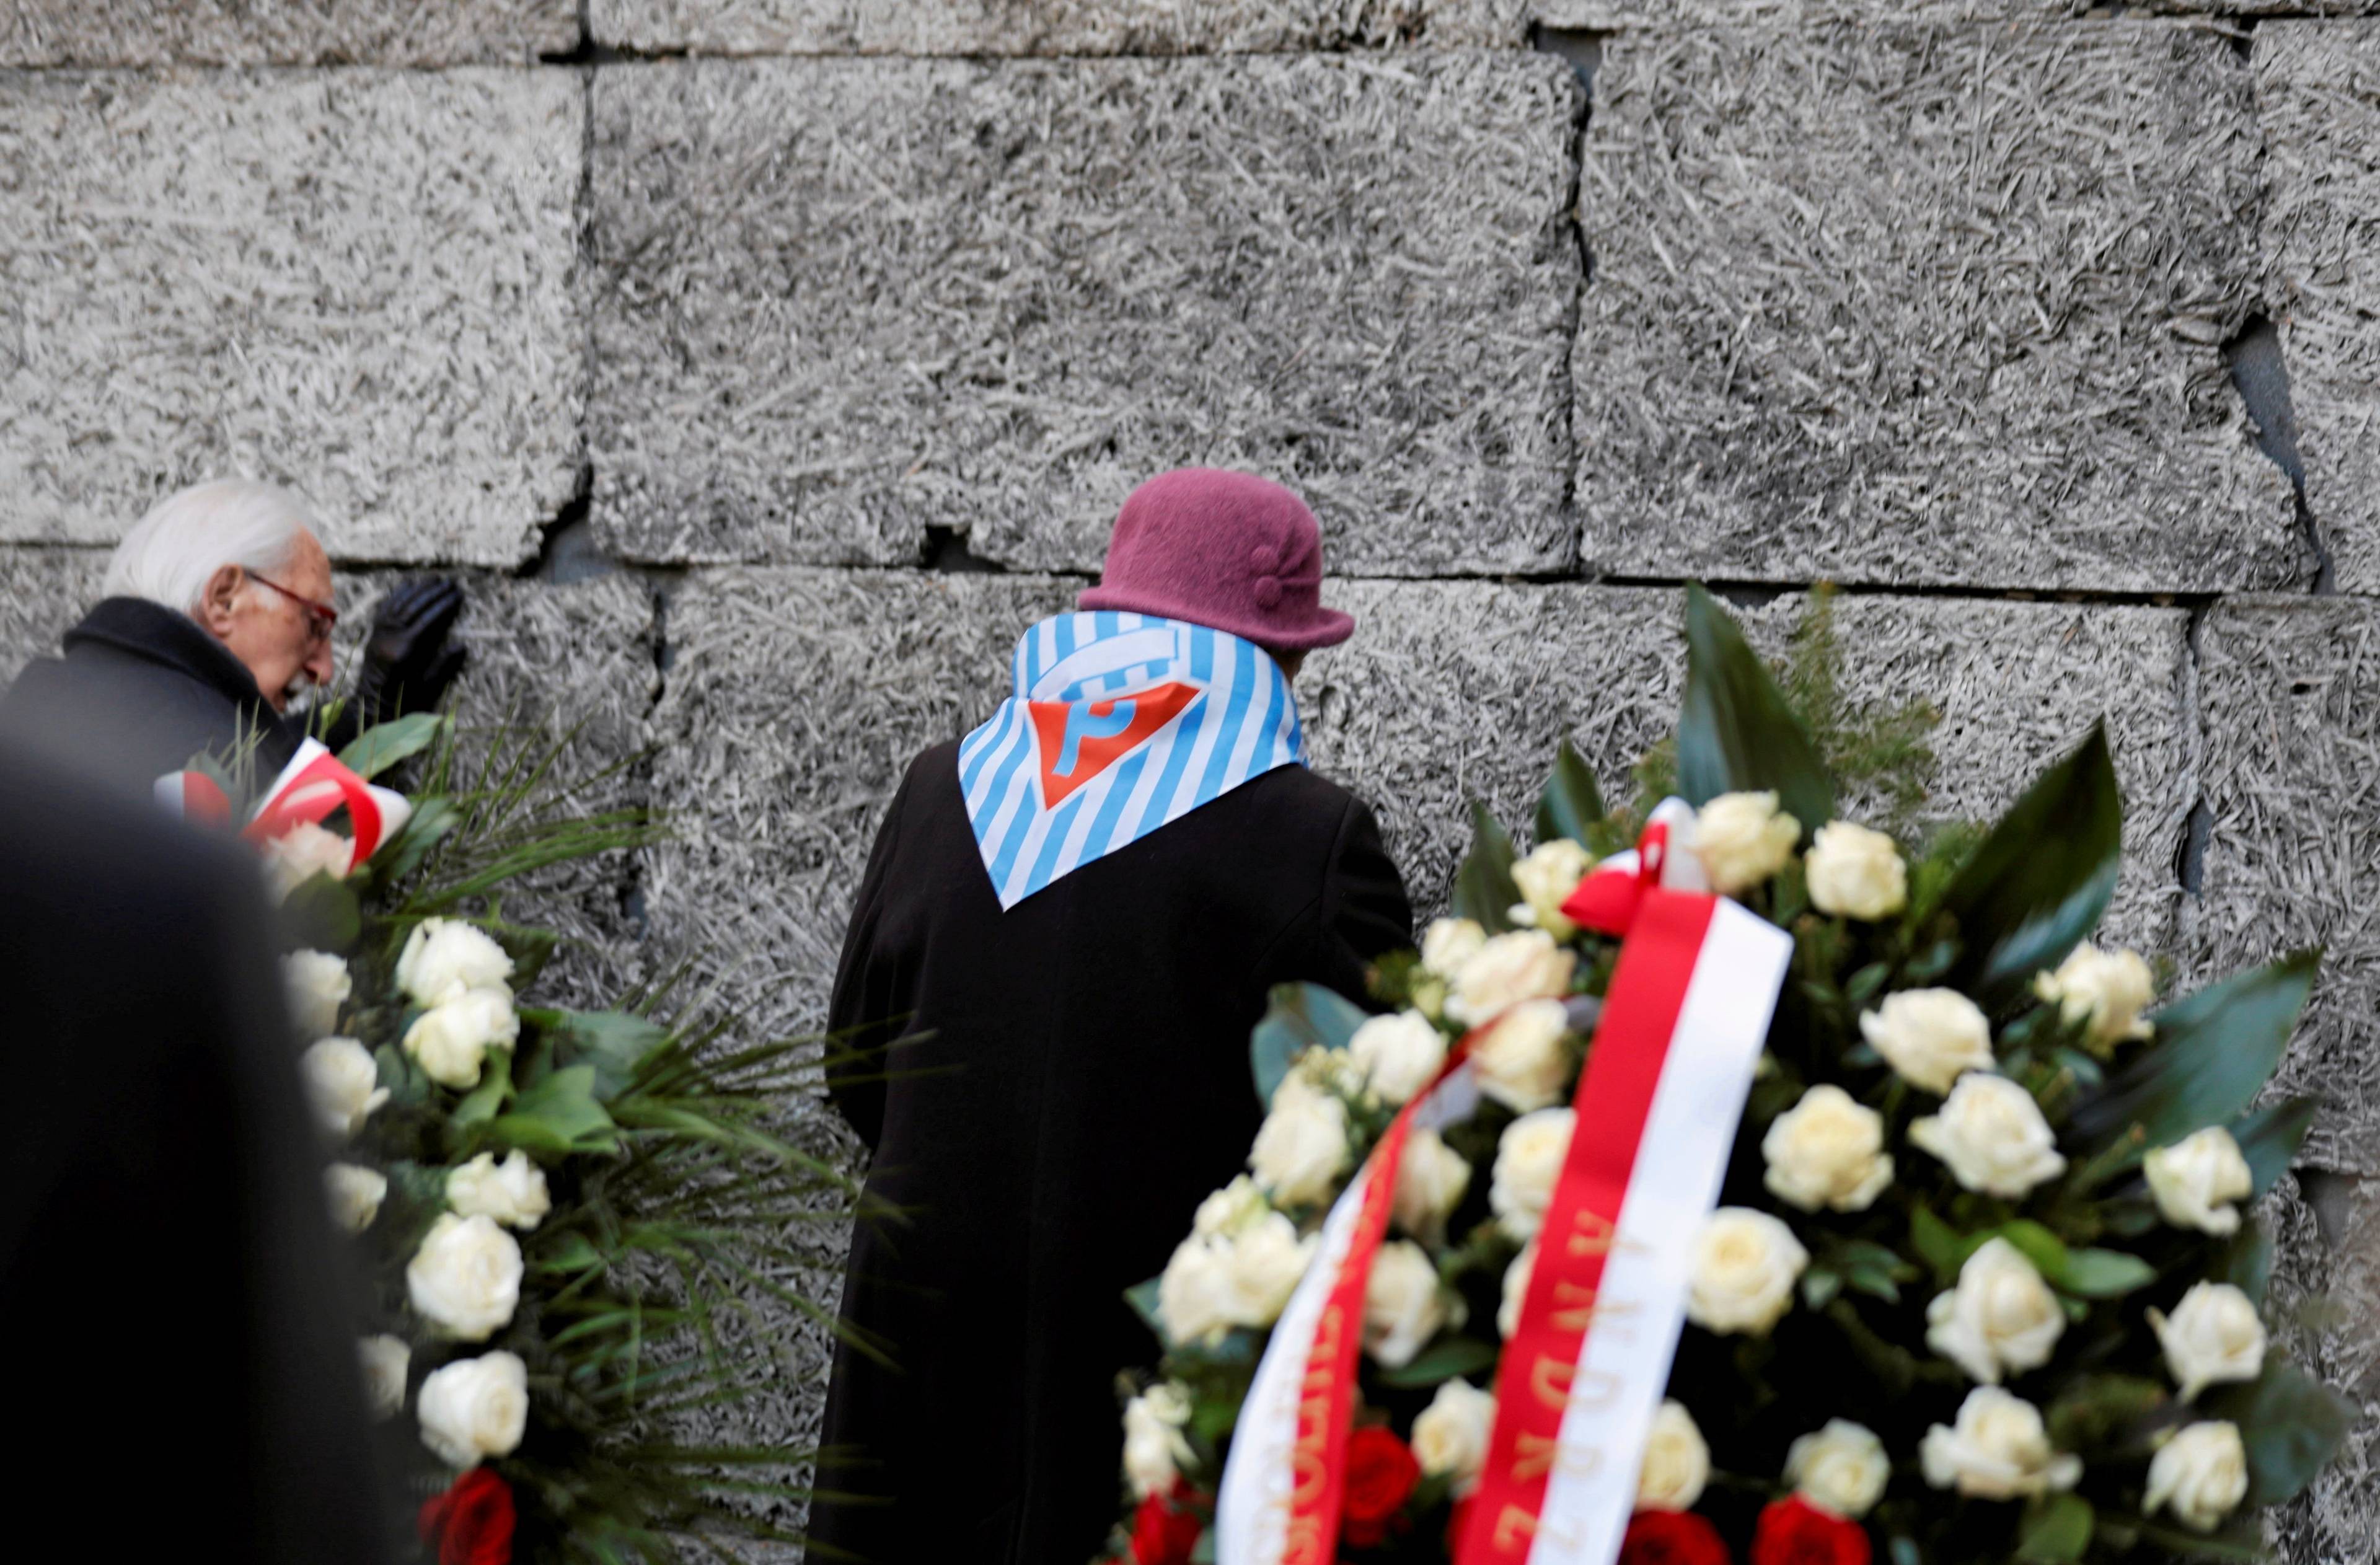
(170, 1288)
(141, 691)
(1082, 1081)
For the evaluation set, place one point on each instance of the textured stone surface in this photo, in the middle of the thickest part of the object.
(2325, 1304)
(842, 302)
(1907, 304)
(395, 32)
(42, 592)
(1049, 27)
(2318, 90)
(2289, 704)
(1450, 692)
(356, 282)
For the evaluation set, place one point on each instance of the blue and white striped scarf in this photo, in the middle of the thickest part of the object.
(1120, 723)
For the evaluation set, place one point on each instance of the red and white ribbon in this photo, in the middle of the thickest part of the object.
(1681, 1032)
(1287, 1476)
(313, 786)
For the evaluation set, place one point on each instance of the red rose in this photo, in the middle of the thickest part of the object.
(1671, 1537)
(1164, 1530)
(471, 1523)
(1794, 1532)
(1381, 1474)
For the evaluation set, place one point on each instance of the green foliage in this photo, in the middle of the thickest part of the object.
(2215, 1051)
(1484, 890)
(1872, 746)
(2291, 1423)
(2269, 1138)
(1299, 1016)
(2039, 880)
(1735, 730)
(1450, 1357)
(378, 748)
(1571, 804)
(2056, 1530)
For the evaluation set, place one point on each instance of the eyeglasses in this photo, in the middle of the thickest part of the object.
(320, 617)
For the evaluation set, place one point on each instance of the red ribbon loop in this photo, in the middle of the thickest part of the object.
(322, 787)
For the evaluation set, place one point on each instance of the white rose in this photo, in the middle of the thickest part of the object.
(1930, 1036)
(474, 1408)
(1677, 1462)
(444, 957)
(1841, 1468)
(1154, 1447)
(1450, 1436)
(1827, 1150)
(1448, 943)
(1519, 1058)
(303, 852)
(1546, 878)
(1856, 873)
(317, 985)
(1744, 840)
(2102, 992)
(2201, 1476)
(1403, 1305)
(1991, 1135)
(2002, 1315)
(1510, 968)
(2000, 1449)
(1230, 1209)
(2196, 1179)
(355, 1195)
(342, 1083)
(2213, 1336)
(1528, 1160)
(1398, 1055)
(1193, 1296)
(1302, 1149)
(385, 1361)
(513, 1193)
(1516, 1290)
(1745, 1266)
(1261, 1268)
(1431, 1182)
(451, 1040)
(466, 1278)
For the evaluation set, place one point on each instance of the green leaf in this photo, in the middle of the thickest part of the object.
(2042, 1248)
(495, 1089)
(2269, 1138)
(1735, 731)
(2240, 1542)
(2056, 1531)
(403, 1078)
(559, 1116)
(2213, 1054)
(1445, 1359)
(569, 1253)
(2038, 883)
(1299, 1016)
(1484, 890)
(2097, 1412)
(1141, 1297)
(433, 820)
(1821, 1284)
(2103, 1274)
(378, 748)
(615, 1043)
(2245, 1261)
(2292, 1424)
(1572, 804)
(1937, 1244)
(321, 913)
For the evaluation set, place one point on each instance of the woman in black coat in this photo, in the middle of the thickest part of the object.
(1077, 998)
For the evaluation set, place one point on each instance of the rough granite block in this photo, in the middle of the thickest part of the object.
(841, 302)
(285, 32)
(2325, 1311)
(1052, 26)
(359, 284)
(2318, 90)
(1913, 304)
(42, 593)
(2289, 719)
(1608, 16)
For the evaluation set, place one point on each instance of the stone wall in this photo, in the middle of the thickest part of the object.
(765, 365)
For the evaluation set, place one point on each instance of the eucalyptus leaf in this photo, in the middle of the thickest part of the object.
(1736, 732)
(616, 1044)
(2269, 1138)
(2213, 1052)
(1298, 1016)
(558, 1116)
(2056, 1531)
(1444, 1360)
(1572, 804)
(383, 744)
(2292, 1424)
(1484, 888)
(2039, 880)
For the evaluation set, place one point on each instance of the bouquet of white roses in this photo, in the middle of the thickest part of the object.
(1739, 1182)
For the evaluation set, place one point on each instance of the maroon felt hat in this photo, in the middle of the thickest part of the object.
(1229, 550)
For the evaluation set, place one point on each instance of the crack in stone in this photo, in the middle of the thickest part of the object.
(2260, 375)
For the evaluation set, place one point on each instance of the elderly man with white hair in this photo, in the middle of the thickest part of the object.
(216, 619)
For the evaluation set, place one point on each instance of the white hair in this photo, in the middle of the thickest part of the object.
(191, 534)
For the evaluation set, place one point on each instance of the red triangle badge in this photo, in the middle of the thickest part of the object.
(1077, 740)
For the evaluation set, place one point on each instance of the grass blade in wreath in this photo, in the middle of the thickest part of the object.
(1484, 888)
(1736, 732)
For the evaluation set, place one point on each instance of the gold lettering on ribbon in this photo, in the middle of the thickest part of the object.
(1515, 1527)
(1591, 1233)
(1538, 1456)
(1549, 1379)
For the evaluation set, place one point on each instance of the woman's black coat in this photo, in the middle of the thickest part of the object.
(1081, 1081)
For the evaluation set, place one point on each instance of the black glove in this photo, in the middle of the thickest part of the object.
(407, 661)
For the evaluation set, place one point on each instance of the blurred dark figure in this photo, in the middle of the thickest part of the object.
(217, 618)
(170, 1295)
